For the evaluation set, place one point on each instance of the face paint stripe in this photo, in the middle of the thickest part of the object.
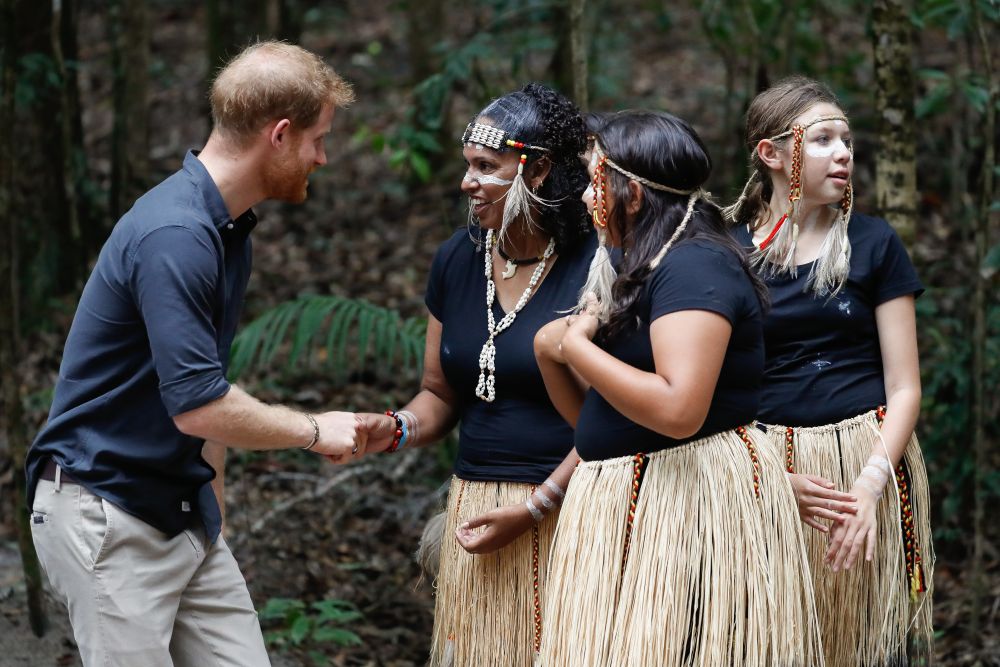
(487, 179)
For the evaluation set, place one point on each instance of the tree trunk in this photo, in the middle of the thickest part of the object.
(130, 133)
(578, 54)
(231, 26)
(569, 59)
(283, 19)
(977, 583)
(895, 161)
(89, 211)
(69, 151)
(424, 18)
(10, 341)
(53, 260)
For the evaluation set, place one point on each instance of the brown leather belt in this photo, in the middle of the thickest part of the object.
(49, 473)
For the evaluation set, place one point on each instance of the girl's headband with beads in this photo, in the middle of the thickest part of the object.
(603, 157)
(821, 119)
(495, 138)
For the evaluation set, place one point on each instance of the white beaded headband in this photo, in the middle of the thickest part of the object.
(494, 137)
(601, 155)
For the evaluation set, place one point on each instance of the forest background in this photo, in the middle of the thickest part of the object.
(101, 99)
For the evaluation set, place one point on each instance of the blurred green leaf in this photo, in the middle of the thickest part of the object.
(310, 324)
(936, 100)
(300, 629)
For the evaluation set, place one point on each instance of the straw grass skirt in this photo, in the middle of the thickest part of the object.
(870, 613)
(488, 607)
(710, 571)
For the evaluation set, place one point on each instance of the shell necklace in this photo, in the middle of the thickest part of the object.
(486, 387)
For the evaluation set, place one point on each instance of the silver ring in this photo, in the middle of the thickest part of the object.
(355, 450)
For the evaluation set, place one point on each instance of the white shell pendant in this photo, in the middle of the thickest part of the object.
(509, 270)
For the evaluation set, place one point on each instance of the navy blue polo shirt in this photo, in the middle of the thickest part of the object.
(150, 340)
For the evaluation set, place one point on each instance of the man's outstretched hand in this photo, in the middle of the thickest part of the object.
(343, 436)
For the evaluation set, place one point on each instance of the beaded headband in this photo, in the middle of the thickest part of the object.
(494, 137)
(603, 157)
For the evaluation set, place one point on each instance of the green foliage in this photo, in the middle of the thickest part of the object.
(346, 332)
(956, 18)
(518, 29)
(992, 260)
(37, 80)
(292, 623)
(946, 412)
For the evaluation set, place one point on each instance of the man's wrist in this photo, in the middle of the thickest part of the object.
(314, 438)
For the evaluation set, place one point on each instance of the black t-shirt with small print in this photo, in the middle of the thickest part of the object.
(519, 437)
(823, 358)
(695, 275)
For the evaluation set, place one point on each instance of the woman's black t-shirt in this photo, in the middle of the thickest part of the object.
(695, 275)
(823, 360)
(519, 437)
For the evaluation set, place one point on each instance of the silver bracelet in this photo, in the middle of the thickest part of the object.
(315, 425)
(560, 494)
(536, 513)
(544, 500)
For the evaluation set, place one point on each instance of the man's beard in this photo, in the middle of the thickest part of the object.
(286, 180)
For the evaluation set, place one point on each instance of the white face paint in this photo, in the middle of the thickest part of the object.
(825, 139)
(484, 179)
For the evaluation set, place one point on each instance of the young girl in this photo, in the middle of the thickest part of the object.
(674, 545)
(841, 381)
(520, 265)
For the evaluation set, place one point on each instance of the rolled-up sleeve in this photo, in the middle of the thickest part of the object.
(174, 275)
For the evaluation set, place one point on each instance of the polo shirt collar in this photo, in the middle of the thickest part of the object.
(214, 203)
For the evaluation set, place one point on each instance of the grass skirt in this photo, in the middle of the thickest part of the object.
(488, 606)
(697, 561)
(871, 612)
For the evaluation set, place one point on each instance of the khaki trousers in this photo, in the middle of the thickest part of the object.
(138, 598)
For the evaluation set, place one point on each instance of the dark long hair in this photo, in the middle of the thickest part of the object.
(666, 150)
(539, 115)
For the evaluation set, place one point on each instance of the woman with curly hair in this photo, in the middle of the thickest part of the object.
(520, 264)
(841, 390)
(674, 546)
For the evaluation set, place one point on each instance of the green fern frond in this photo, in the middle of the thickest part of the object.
(350, 331)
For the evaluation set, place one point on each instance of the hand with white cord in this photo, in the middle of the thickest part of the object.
(848, 537)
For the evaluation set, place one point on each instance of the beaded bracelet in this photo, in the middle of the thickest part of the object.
(410, 421)
(397, 437)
